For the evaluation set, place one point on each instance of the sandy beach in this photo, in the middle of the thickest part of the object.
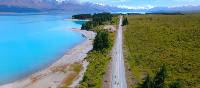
(56, 74)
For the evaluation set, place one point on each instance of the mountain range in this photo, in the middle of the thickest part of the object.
(23, 6)
(53, 5)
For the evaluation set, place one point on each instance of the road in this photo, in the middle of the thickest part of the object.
(118, 79)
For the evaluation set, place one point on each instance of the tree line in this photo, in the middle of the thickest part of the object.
(82, 16)
(96, 19)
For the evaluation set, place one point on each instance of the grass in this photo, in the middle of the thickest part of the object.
(173, 40)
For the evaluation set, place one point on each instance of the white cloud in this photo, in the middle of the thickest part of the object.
(136, 7)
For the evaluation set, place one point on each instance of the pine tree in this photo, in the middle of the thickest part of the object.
(101, 41)
(160, 78)
(125, 21)
(148, 83)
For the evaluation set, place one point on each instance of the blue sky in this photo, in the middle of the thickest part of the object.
(146, 3)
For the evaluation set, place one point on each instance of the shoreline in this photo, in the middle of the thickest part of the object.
(54, 75)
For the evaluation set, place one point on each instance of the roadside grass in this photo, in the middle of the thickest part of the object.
(98, 62)
(173, 40)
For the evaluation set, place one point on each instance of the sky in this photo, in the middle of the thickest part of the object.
(145, 3)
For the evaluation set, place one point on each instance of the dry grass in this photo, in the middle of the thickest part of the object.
(74, 72)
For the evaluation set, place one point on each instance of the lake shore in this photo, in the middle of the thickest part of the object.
(55, 75)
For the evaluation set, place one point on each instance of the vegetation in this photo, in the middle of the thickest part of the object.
(82, 16)
(167, 13)
(99, 57)
(148, 83)
(125, 21)
(100, 18)
(75, 70)
(173, 40)
(101, 41)
(157, 81)
(87, 26)
(98, 63)
(115, 20)
(176, 84)
(96, 69)
(97, 20)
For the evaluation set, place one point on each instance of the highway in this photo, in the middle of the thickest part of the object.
(118, 78)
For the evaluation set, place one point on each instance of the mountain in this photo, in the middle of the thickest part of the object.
(20, 6)
(184, 9)
(73, 6)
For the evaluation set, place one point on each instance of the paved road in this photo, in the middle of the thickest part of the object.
(118, 79)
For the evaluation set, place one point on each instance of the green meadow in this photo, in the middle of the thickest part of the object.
(171, 40)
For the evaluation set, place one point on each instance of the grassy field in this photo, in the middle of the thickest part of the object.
(173, 40)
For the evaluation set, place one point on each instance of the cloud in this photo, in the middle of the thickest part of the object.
(136, 7)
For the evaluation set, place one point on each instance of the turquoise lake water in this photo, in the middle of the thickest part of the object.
(29, 43)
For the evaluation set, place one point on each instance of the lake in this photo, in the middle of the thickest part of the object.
(29, 43)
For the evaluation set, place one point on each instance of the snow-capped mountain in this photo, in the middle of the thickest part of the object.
(53, 5)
